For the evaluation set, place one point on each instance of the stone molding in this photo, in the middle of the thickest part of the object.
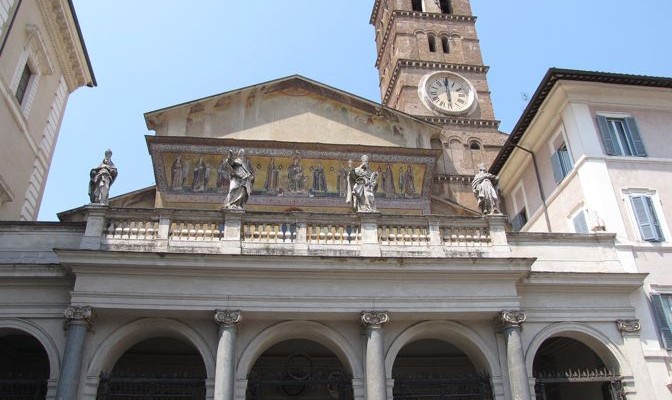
(374, 319)
(227, 318)
(510, 319)
(80, 315)
(628, 325)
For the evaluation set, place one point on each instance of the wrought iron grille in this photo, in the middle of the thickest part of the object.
(150, 388)
(337, 388)
(610, 382)
(22, 388)
(459, 388)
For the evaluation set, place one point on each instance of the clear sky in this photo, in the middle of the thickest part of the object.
(151, 54)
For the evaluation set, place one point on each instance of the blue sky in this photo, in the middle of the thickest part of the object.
(152, 54)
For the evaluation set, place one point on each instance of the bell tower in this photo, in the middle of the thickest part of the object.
(430, 66)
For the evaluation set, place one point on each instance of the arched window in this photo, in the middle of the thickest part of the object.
(417, 5)
(444, 44)
(432, 43)
(445, 6)
(474, 145)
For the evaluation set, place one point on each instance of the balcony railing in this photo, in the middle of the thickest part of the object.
(294, 233)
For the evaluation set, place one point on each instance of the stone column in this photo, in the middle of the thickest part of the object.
(80, 320)
(226, 348)
(510, 321)
(376, 386)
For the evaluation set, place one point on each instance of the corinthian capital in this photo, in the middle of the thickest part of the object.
(227, 318)
(628, 325)
(511, 318)
(80, 315)
(374, 319)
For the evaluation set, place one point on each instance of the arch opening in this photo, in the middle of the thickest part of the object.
(445, 6)
(299, 369)
(567, 369)
(159, 367)
(433, 368)
(432, 43)
(24, 367)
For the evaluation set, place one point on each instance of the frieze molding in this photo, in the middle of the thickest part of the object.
(374, 319)
(227, 318)
(628, 325)
(80, 315)
(510, 318)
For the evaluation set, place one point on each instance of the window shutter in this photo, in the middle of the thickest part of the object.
(640, 206)
(605, 133)
(663, 315)
(557, 167)
(635, 137)
(580, 225)
(565, 160)
(654, 219)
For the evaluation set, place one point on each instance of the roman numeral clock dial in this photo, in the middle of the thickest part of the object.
(447, 93)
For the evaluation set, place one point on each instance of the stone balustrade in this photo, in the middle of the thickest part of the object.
(297, 233)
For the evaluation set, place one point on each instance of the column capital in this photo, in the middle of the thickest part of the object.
(510, 318)
(374, 319)
(628, 325)
(227, 318)
(80, 315)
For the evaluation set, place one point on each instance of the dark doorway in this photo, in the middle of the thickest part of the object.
(24, 368)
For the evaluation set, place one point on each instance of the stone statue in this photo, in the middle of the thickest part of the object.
(362, 184)
(242, 178)
(484, 186)
(177, 179)
(319, 180)
(101, 178)
(296, 180)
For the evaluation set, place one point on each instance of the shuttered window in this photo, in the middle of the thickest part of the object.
(22, 87)
(647, 220)
(562, 163)
(579, 222)
(519, 220)
(662, 310)
(416, 5)
(620, 137)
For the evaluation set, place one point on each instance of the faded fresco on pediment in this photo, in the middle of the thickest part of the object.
(291, 175)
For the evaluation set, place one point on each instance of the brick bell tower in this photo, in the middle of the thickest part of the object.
(430, 66)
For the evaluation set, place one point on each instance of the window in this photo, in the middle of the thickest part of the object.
(647, 220)
(519, 220)
(432, 43)
(445, 45)
(562, 163)
(22, 87)
(445, 6)
(620, 136)
(662, 311)
(417, 5)
(580, 223)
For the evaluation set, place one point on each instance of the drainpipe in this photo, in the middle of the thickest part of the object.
(541, 189)
(10, 24)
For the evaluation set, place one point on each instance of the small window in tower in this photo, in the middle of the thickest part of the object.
(474, 145)
(417, 5)
(22, 87)
(432, 43)
(445, 45)
(445, 6)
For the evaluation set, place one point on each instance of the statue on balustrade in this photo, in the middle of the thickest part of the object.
(485, 189)
(101, 179)
(362, 184)
(242, 179)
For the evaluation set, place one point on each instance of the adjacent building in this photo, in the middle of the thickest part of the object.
(42, 60)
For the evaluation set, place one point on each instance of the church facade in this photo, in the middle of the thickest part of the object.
(298, 291)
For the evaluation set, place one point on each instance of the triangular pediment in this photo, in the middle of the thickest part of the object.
(293, 109)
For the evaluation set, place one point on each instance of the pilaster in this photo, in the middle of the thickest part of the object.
(643, 388)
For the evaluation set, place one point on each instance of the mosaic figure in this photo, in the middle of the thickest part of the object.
(201, 176)
(223, 177)
(296, 180)
(272, 177)
(178, 177)
(319, 180)
(409, 183)
(387, 178)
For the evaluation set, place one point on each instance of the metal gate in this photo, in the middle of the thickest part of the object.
(610, 383)
(150, 388)
(458, 388)
(336, 387)
(22, 388)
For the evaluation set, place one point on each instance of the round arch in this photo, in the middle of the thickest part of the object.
(465, 338)
(42, 336)
(307, 330)
(122, 339)
(596, 340)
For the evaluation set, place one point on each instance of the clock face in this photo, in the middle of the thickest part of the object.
(447, 93)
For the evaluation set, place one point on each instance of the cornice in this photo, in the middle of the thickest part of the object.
(69, 49)
(470, 122)
(429, 65)
(415, 14)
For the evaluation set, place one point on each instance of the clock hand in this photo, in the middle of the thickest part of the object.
(450, 97)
